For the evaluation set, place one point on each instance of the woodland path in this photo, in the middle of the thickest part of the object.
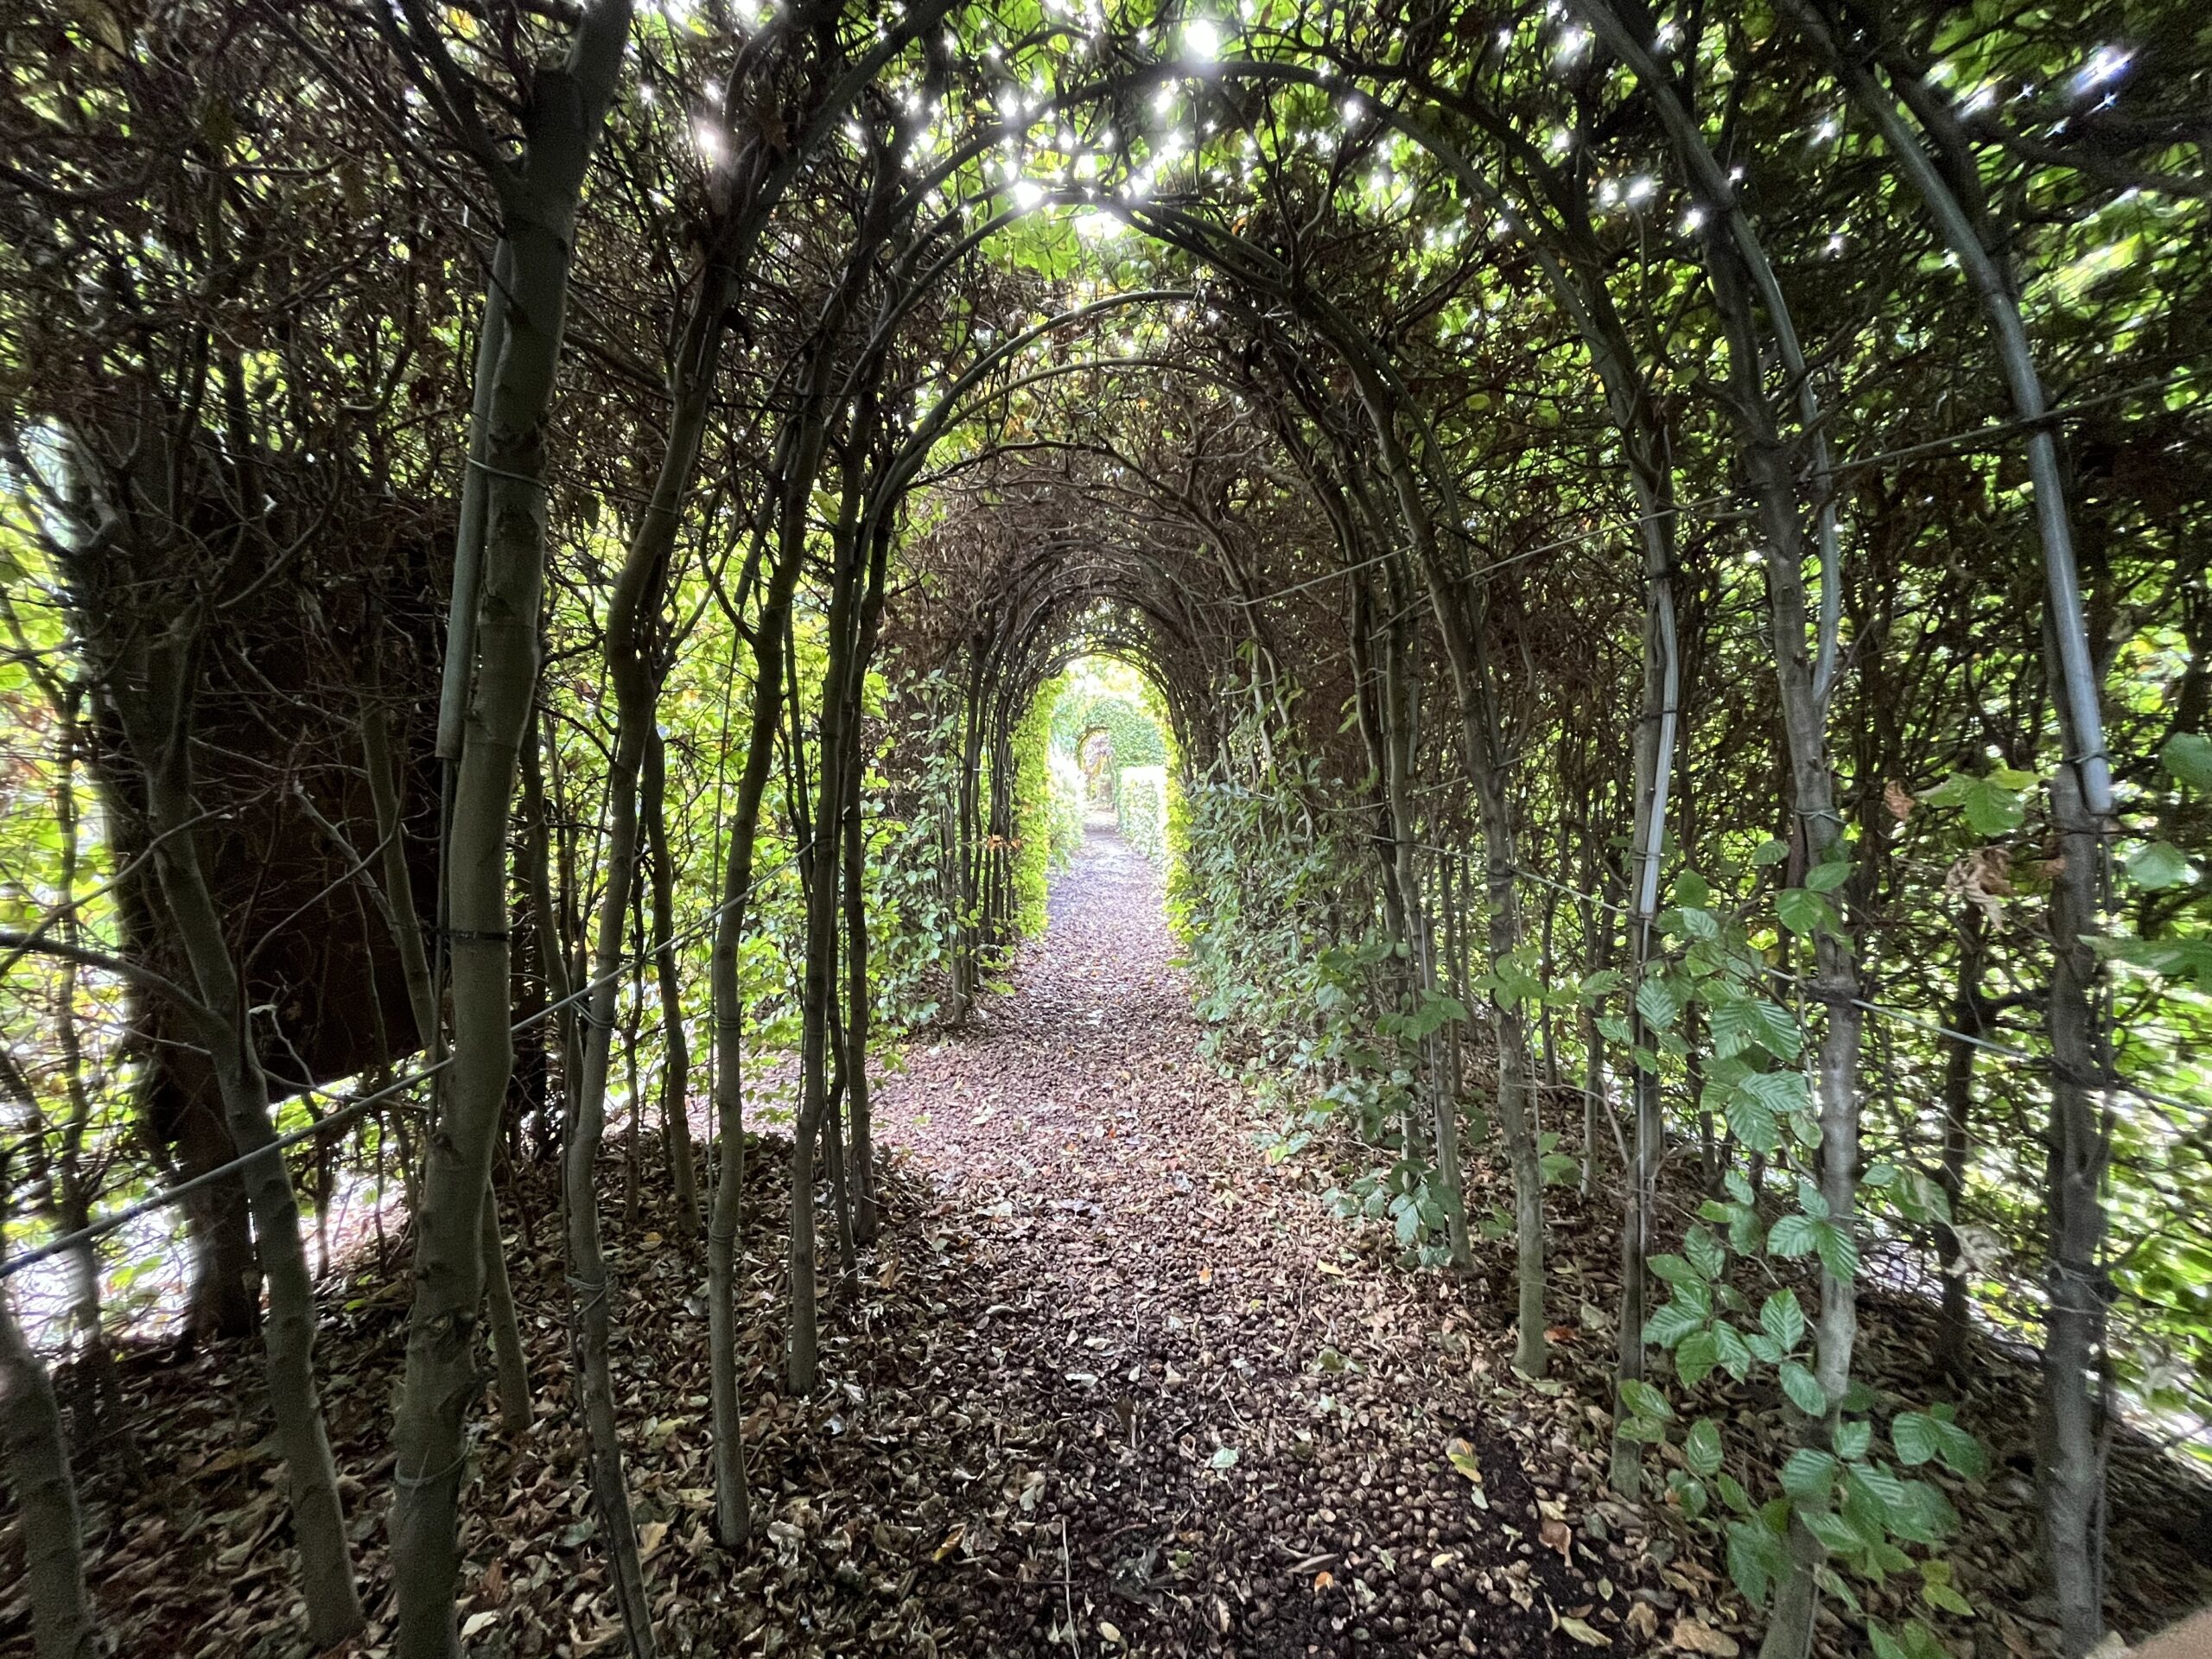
(1246, 1422)
(1091, 1287)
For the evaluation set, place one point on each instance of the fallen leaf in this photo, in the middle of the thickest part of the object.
(1694, 1636)
(1322, 1580)
(1584, 1634)
(1557, 1534)
(1110, 1633)
(1462, 1455)
(650, 1536)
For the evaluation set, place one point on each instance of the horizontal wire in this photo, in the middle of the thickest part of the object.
(2004, 1051)
(104, 1224)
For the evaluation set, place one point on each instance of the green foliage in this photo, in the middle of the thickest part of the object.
(1141, 809)
(1039, 813)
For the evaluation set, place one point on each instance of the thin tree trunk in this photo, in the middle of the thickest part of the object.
(866, 1222)
(2071, 1466)
(676, 1049)
(1835, 979)
(1968, 1015)
(540, 192)
(2071, 1437)
(395, 898)
(46, 1499)
(102, 1389)
(799, 453)
(158, 718)
(510, 1363)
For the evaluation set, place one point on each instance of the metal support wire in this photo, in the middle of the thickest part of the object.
(338, 1120)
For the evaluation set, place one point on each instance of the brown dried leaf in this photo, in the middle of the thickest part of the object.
(1694, 1636)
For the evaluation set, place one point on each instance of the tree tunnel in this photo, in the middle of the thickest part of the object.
(539, 537)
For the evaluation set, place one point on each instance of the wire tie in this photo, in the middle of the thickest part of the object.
(498, 472)
(419, 1482)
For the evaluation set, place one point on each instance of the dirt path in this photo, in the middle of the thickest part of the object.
(1109, 1384)
(1245, 1425)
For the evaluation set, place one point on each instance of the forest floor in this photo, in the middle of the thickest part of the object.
(1109, 1383)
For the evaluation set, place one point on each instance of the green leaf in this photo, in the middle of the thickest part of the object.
(1962, 1454)
(1783, 1320)
(1657, 1002)
(1833, 1531)
(1687, 1491)
(1809, 1475)
(1803, 1389)
(1705, 1253)
(2188, 755)
(1886, 1491)
(1793, 1236)
(1696, 1357)
(1914, 1436)
(1802, 911)
(2175, 959)
(1992, 804)
(1674, 1270)
(1753, 1121)
(1644, 1400)
(1780, 1092)
(2161, 864)
(1853, 1438)
(1770, 852)
(1671, 1323)
(1729, 1346)
(1701, 1447)
(1731, 1024)
(1601, 983)
(1943, 1596)
(1827, 878)
(1839, 1250)
(1756, 1557)
(1937, 1589)
(1698, 923)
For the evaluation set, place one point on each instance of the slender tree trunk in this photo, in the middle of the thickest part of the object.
(46, 1498)
(539, 199)
(510, 1363)
(1969, 1016)
(2075, 1369)
(158, 718)
(857, 1009)
(676, 1049)
(101, 1388)
(1948, 181)
(800, 454)
(396, 899)
(853, 545)
(1834, 984)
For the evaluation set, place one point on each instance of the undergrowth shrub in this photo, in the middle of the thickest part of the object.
(1140, 808)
